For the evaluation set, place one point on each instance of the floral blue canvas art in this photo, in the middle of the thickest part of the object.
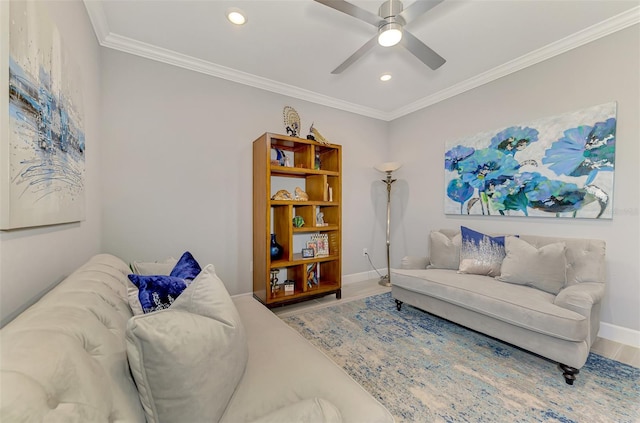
(560, 166)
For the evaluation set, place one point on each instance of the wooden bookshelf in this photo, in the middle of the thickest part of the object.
(317, 169)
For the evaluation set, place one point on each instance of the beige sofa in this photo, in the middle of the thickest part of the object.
(560, 326)
(77, 355)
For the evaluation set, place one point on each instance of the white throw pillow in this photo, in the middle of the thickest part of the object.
(444, 252)
(187, 360)
(544, 268)
(146, 268)
(154, 267)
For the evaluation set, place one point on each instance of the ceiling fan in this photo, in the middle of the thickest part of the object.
(390, 21)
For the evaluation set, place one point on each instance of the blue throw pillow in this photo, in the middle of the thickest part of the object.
(157, 292)
(481, 254)
(187, 267)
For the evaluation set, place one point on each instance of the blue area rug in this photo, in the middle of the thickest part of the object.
(426, 369)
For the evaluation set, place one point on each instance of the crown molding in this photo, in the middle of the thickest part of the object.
(580, 38)
(98, 19)
(117, 42)
(138, 48)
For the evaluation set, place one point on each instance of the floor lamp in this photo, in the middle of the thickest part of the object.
(388, 168)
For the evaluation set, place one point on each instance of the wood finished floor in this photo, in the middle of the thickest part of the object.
(353, 291)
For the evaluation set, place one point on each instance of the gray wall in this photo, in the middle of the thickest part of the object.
(602, 71)
(177, 161)
(32, 260)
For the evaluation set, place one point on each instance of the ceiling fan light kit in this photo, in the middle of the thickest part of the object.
(390, 34)
(390, 21)
(390, 31)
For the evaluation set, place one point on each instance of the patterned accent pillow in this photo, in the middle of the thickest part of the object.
(187, 267)
(480, 254)
(157, 292)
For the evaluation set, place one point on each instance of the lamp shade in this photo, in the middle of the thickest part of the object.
(388, 167)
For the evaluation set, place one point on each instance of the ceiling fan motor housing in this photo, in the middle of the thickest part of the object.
(389, 12)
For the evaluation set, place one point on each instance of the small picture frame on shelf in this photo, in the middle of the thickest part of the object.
(289, 287)
(322, 244)
(308, 253)
(313, 246)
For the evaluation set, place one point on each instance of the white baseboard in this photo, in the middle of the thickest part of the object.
(359, 277)
(619, 334)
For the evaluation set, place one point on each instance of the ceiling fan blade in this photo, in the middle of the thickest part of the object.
(421, 51)
(352, 10)
(355, 56)
(418, 8)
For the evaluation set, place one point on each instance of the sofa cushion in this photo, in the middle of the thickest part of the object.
(444, 250)
(480, 254)
(544, 268)
(314, 410)
(187, 359)
(518, 305)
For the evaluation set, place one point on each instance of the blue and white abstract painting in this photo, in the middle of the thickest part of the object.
(560, 166)
(43, 140)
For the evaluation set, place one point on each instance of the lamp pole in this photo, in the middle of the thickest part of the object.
(386, 280)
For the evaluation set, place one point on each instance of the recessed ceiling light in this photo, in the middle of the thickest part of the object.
(236, 16)
(385, 77)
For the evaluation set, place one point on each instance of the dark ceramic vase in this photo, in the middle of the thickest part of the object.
(276, 249)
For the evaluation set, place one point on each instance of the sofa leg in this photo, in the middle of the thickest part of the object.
(338, 294)
(398, 305)
(568, 372)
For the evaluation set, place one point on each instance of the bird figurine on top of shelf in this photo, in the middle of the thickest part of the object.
(316, 135)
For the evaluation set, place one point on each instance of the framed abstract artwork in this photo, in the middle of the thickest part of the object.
(42, 140)
(560, 166)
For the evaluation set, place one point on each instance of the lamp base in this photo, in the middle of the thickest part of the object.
(384, 281)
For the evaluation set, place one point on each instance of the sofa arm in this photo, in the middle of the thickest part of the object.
(414, 262)
(580, 297)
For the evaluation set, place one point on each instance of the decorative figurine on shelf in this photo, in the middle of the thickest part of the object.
(287, 162)
(320, 219)
(312, 274)
(317, 135)
(317, 163)
(298, 222)
(276, 251)
(310, 135)
(300, 195)
(291, 121)
(283, 194)
(281, 158)
(274, 280)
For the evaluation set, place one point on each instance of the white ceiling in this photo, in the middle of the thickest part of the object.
(291, 46)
